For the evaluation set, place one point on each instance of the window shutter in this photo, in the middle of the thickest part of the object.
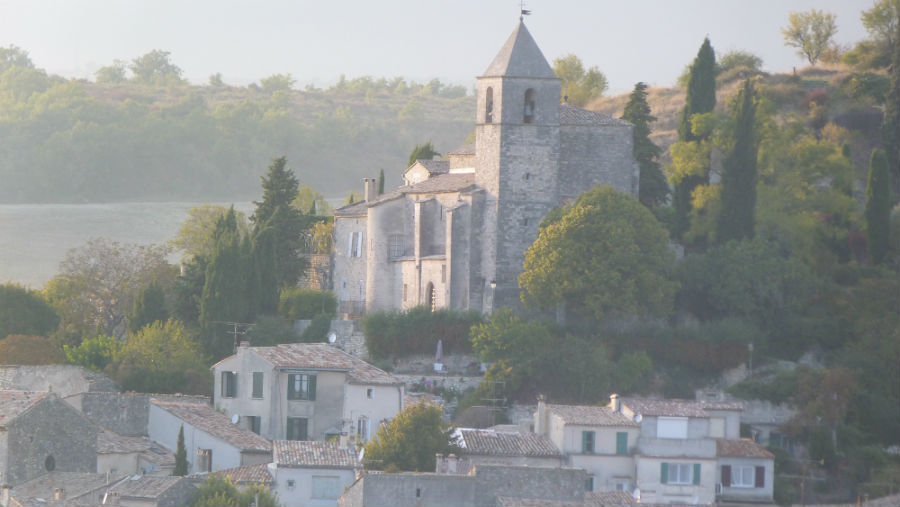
(312, 388)
(760, 481)
(622, 442)
(359, 245)
(584, 441)
(234, 385)
(726, 475)
(350, 245)
(696, 473)
(664, 473)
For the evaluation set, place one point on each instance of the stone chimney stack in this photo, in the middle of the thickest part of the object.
(614, 403)
(540, 417)
(4, 495)
(59, 494)
(370, 190)
(451, 463)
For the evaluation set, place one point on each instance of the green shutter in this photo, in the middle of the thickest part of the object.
(696, 473)
(622, 442)
(664, 472)
(312, 388)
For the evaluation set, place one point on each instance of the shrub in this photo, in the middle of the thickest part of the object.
(317, 330)
(301, 304)
(417, 331)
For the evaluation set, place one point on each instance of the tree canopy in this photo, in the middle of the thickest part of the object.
(737, 216)
(604, 256)
(810, 32)
(155, 67)
(26, 349)
(579, 86)
(653, 188)
(24, 311)
(424, 151)
(195, 236)
(162, 358)
(410, 441)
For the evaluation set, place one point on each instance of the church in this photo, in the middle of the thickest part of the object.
(455, 234)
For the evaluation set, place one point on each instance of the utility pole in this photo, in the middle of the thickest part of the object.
(238, 329)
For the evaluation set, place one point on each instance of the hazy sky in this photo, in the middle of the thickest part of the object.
(316, 41)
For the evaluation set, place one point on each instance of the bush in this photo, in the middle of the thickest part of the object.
(317, 331)
(302, 304)
(417, 331)
(866, 84)
(271, 330)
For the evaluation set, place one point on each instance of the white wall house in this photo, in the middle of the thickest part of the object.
(305, 391)
(212, 441)
(596, 439)
(314, 474)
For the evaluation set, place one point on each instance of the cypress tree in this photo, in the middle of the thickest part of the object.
(149, 307)
(652, 185)
(280, 188)
(890, 127)
(181, 463)
(264, 271)
(878, 208)
(701, 98)
(380, 181)
(736, 218)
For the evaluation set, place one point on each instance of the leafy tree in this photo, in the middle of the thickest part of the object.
(114, 73)
(155, 68)
(882, 22)
(195, 236)
(14, 56)
(93, 353)
(653, 189)
(161, 358)
(410, 441)
(423, 152)
(215, 80)
(272, 330)
(297, 303)
(700, 99)
(736, 217)
(311, 202)
(149, 306)
(280, 188)
(353, 197)
(188, 291)
(181, 462)
(323, 237)
(736, 58)
(277, 82)
(810, 32)
(579, 87)
(24, 311)
(264, 276)
(27, 349)
(878, 208)
(890, 127)
(605, 256)
(98, 282)
(219, 491)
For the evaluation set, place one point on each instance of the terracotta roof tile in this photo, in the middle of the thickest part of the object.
(569, 115)
(73, 484)
(247, 474)
(588, 415)
(506, 443)
(310, 454)
(608, 498)
(743, 448)
(322, 356)
(113, 443)
(145, 486)
(661, 407)
(435, 166)
(357, 208)
(217, 424)
(15, 403)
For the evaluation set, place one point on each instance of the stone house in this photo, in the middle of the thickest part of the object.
(597, 439)
(499, 447)
(305, 391)
(92, 489)
(686, 448)
(40, 433)
(152, 491)
(212, 441)
(123, 454)
(455, 235)
(308, 473)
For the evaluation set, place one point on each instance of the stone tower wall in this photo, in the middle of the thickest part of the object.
(583, 165)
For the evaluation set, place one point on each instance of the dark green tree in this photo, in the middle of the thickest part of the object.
(701, 98)
(737, 212)
(181, 463)
(280, 188)
(265, 266)
(155, 68)
(423, 152)
(24, 311)
(653, 189)
(410, 441)
(219, 491)
(93, 353)
(878, 208)
(890, 127)
(149, 306)
(380, 181)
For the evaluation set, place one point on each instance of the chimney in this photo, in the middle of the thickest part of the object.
(4, 495)
(614, 402)
(59, 493)
(540, 418)
(440, 465)
(370, 190)
(451, 463)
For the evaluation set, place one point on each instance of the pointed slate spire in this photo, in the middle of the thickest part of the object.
(520, 56)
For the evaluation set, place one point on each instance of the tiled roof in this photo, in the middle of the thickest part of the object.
(587, 415)
(520, 56)
(569, 115)
(15, 403)
(742, 448)
(357, 208)
(608, 498)
(309, 454)
(435, 166)
(113, 443)
(507, 501)
(451, 182)
(145, 486)
(413, 398)
(247, 474)
(323, 356)
(216, 424)
(73, 485)
(466, 149)
(676, 407)
(722, 405)
(506, 443)
(885, 501)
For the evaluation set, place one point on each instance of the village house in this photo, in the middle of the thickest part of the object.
(308, 473)
(211, 439)
(455, 235)
(122, 454)
(499, 447)
(305, 391)
(597, 439)
(68, 489)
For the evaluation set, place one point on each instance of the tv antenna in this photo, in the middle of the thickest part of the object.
(237, 329)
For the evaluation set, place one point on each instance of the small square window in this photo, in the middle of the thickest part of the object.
(370, 393)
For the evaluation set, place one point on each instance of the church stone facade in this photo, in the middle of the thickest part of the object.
(455, 234)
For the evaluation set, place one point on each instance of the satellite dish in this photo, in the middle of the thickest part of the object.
(362, 452)
(638, 418)
(332, 337)
(235, 418)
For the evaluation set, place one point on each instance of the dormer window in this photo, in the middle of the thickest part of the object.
(529, 105)
(489, 105)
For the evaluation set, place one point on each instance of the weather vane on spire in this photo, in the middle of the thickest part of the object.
(523, 11)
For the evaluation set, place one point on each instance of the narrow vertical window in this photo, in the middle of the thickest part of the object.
(257, 384)
(529, 105)
(489, 105)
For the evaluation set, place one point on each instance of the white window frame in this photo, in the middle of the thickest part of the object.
(672, 427)
(741, 472)
(680, 473)
(325, 487)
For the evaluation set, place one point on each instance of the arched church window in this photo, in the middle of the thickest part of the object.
(529, 105)
(489, 105)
